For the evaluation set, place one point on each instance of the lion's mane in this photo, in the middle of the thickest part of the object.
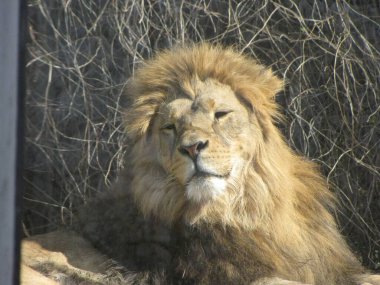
(282, 222)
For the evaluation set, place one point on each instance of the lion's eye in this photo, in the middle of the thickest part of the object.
(221, 114)
(168, 127)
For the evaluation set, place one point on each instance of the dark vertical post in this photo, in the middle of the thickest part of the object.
(12, 15)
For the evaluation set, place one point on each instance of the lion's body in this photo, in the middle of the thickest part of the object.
(213, 254)
(235, 204)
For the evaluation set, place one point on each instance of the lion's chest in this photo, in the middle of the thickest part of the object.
(215, 256)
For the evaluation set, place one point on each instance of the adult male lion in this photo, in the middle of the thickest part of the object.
(207, 161)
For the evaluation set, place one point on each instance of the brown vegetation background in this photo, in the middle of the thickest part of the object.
(81, 54)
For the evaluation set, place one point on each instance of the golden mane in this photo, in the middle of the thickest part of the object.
(285, 207)
(292, 176)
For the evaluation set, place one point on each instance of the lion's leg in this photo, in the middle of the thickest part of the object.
(62, 256)
(276, 281)
(30, 276)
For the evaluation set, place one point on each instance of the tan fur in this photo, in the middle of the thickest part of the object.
(207, 160)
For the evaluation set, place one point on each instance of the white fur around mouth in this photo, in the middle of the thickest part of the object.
(205, 187)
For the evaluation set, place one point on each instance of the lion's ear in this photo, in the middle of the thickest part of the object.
(140, 115)
(269, 84)
(259, 91)
(136, 127)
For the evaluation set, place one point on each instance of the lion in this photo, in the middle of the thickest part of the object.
(211, 192)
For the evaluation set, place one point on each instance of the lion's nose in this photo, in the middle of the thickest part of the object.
(194, 149)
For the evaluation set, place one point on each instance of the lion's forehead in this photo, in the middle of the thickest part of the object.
(209, 96)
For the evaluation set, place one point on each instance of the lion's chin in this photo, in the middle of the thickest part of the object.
(205, 188)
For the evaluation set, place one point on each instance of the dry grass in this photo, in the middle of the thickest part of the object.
(81, 53)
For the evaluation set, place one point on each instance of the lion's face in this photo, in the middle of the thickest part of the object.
(198, 125)
(205, 139)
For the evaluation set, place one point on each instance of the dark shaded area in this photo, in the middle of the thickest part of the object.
(81, 53)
